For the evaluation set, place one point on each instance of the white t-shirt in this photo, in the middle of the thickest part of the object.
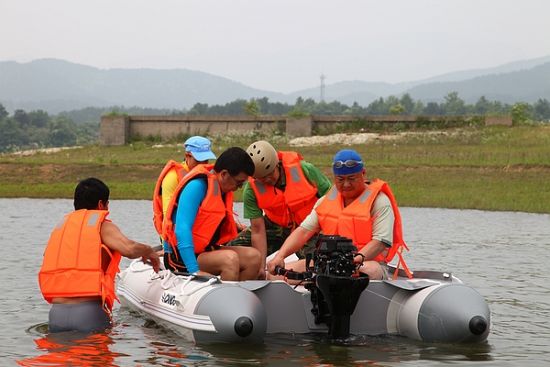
(382, 212)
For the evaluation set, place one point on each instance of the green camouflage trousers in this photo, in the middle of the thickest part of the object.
(275, 236)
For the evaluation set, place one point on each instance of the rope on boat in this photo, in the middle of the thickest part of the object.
(132, 266)
(165, 276)
(203, 285)
(183, 296)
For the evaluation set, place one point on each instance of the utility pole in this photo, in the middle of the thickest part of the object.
(323, 77)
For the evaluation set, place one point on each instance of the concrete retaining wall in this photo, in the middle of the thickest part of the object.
(168, 127)
(114, 130)
(118, 130)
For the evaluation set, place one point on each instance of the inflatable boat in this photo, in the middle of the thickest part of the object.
(431, 306)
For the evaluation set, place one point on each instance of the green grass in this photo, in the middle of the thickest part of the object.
(470, 188)
(490, 168)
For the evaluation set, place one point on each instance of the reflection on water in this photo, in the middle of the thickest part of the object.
(501, 255)
(316, 350)
(77, 349)
(64, 349)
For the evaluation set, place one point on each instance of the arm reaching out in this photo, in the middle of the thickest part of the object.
(113, 238)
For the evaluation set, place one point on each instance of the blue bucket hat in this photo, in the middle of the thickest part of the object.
(200, 148)
(347, 162)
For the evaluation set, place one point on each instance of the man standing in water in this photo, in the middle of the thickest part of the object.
(81, 261)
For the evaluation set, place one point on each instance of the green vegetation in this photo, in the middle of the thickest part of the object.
(493, 168)
(36, 129)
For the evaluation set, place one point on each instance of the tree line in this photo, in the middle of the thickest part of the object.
(452, 105)
(37, 129)
(392, 105)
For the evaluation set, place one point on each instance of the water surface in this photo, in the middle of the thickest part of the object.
(503, 255)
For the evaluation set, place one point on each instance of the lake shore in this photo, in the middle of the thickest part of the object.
(486, 168)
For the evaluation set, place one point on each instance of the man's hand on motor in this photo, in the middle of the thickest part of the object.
(276, 261)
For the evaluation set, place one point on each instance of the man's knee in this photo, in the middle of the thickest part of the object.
(231, 258)
(253, 256)
(374, 270)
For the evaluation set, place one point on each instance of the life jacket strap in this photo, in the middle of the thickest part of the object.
(401, 264)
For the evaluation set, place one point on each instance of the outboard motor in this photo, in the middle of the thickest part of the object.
(335, 291)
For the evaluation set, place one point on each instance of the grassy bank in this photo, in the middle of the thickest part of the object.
(494, 168)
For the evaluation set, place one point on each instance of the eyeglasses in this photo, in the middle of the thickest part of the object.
(350, 163)
(238, 183)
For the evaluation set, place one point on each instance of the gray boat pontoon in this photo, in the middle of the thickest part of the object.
(431, 306)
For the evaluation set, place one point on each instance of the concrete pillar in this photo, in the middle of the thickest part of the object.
(114, 130)
(296, 127)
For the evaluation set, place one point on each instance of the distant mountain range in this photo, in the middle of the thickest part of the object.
(524, 81)
(57, 85)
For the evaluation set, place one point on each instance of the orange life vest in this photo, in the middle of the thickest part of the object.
(355, 221)
(72, 264)
(290, 207)
(181, 170)
(212, 213)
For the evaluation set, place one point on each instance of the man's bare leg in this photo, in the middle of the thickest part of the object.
(249, 261)
(224, 263)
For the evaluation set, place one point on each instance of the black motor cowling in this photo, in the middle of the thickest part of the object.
(335, 292)
(334, 256)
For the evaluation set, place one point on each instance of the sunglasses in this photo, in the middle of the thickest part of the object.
(350, 163)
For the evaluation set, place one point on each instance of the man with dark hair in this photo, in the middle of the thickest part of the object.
(89, 192)
(81, 261)
(199, 221)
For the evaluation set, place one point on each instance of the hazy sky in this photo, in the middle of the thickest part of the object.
(280, 45)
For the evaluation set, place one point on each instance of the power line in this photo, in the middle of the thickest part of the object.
(323, 77)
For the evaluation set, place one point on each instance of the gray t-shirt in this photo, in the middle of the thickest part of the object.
(382, 212)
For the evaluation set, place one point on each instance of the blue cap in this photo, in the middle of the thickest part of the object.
(347, 162)
(200, 148)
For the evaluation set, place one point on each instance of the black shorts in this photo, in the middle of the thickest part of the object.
(174, 263)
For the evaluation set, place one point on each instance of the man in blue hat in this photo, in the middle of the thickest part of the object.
(364, 211)
(198, 150)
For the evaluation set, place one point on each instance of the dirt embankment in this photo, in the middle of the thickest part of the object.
(25, 153)
(362, 138)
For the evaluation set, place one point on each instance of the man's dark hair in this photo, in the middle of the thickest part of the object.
(235, 160)
(89, 192)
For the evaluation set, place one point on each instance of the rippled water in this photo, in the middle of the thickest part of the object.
(503, 255)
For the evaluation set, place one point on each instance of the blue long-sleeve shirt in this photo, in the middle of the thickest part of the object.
(184, 216)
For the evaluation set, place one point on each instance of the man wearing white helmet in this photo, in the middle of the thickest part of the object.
(282, 193)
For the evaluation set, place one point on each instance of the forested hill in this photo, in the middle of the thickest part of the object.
(525, 86)
(56, 85)
(510, 83)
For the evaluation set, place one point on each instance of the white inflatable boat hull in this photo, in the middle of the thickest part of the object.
(433, 307)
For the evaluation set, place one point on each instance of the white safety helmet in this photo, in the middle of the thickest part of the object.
(264, 156)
